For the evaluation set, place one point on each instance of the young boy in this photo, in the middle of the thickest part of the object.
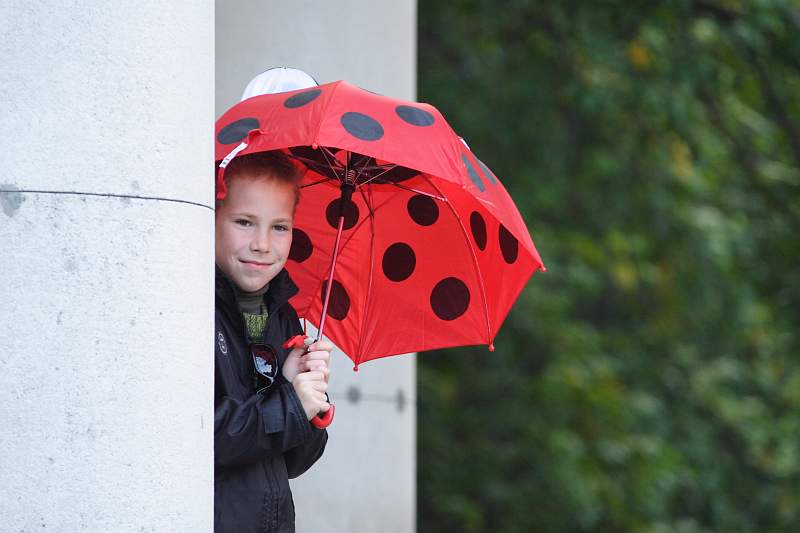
(264, 394)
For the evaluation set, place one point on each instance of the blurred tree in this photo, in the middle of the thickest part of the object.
(650, 381)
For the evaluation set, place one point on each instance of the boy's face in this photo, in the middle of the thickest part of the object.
(254, 231)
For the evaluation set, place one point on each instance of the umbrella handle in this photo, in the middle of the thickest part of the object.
(322, 420)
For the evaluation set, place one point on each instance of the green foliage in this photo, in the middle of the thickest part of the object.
(650, 380)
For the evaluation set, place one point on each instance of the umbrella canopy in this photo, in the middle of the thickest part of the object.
(433, 251)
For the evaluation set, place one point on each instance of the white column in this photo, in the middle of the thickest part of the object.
(366, 480)
(106, 224)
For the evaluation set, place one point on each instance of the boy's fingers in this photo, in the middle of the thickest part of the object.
(313, 380)
(325, 373)
(322, 346)
(315, 361)
(320, 396)
(311, 387)
(312, 376)
(318, 364)
(322, 400)
(320, 386)
(317, 354)
(297, 352)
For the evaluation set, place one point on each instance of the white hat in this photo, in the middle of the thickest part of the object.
(278, 80)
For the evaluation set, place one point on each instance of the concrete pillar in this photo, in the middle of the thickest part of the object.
(106, 224)
(366, 481)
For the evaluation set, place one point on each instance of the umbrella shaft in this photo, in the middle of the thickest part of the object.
(329, 285)
(347, 193)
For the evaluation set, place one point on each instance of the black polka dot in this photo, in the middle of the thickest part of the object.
(486, 172)
(450, 298)
(362, 126)
(414, 115)
(350, 214)
(473, 174)
(301, 246)
(301, 99)
(399, 261)
(478, 227)
(339, 304)
(237, 131)
(508, 245)
(423, 210)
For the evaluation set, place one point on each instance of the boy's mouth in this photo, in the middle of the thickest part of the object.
(255, 264)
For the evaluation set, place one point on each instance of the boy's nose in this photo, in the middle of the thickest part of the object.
(261, 242)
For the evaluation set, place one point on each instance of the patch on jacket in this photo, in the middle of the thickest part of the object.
(223, 346)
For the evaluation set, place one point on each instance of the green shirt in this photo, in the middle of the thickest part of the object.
(254, 312)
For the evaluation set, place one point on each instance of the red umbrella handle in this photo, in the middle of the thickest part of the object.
(322, 420)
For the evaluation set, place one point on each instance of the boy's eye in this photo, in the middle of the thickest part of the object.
(281, 227)
(243, 222)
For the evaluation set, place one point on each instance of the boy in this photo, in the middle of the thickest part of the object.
(264, 396)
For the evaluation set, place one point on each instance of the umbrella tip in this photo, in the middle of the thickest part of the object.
(278, 80)
(491, 346)
(355, 368)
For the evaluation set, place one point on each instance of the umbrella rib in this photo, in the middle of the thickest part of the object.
(369, 206)
(307, 161)
(355, 228)
(388, 168)
(371, 270)
(429, 195)
(358, 170)
(377, 167)
(327, 152)
(474, 260)
(324, 180)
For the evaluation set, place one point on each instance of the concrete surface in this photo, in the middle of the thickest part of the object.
(106, 189)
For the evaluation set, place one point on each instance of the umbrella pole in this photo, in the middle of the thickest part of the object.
(347, 193)
(324, 420)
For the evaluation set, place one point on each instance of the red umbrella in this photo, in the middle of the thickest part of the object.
(429, 249)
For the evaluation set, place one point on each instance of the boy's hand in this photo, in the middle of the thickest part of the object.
(311, 358)
(318, 358)
(291, 367)
(310, 388)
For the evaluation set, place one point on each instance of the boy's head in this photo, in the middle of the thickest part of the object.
(254, 220)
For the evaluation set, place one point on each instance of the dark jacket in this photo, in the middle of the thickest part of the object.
(260, 440)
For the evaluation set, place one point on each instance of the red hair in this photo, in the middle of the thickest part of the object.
(272, 165)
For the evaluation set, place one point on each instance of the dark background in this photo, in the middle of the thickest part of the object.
(649, 381)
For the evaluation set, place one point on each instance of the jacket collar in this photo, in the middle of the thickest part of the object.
(281, 289)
